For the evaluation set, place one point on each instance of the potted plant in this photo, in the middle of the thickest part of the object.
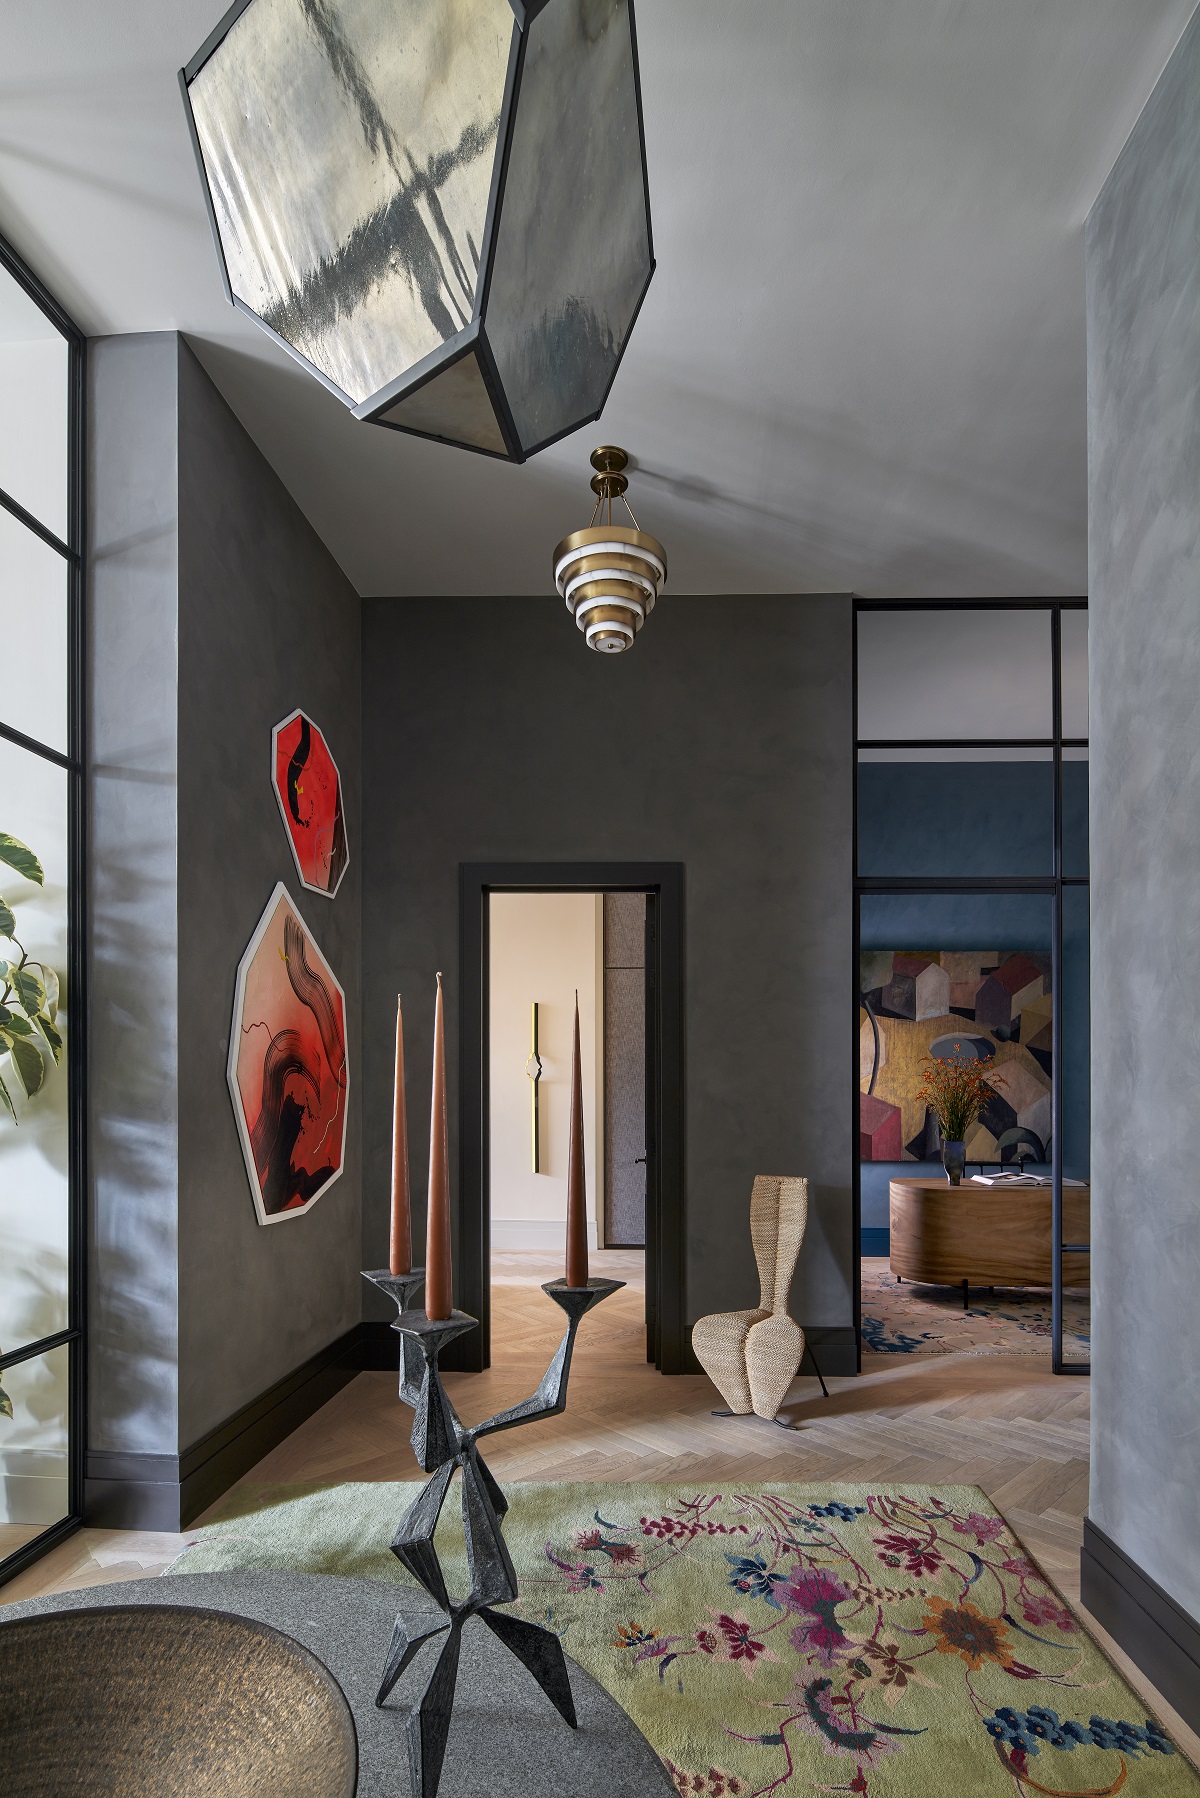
(954, 1090)
(28, 1005)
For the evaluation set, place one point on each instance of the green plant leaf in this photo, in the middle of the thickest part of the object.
(6, 1409)
(7, 1101)
(19, 856)
(28, 1064)
(13, 1024)
(49, 980)
(7, 922)
(30, 990)
(52, 1037)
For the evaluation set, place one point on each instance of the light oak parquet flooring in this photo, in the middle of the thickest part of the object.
(1005, 1423)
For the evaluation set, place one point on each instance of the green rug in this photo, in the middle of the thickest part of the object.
(781, 1639)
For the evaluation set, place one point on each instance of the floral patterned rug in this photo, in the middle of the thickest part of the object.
(782, 1639)
(930, 1320)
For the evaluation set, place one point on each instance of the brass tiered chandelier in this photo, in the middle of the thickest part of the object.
(610, 575)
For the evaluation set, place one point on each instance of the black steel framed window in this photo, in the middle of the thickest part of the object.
(1053, 869)
(42, 935)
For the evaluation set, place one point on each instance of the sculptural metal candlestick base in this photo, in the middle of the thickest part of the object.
(402, 1289)
(443, 1446)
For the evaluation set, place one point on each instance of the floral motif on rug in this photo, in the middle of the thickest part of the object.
(904, 1636)
(786, 1639)
(903, 1319)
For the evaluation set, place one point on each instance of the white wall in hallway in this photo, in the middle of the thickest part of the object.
(543, 946)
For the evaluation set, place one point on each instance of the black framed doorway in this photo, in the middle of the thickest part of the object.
(1063, 884)
(662, 882)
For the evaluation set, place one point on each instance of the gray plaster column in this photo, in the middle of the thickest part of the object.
(133, 752)
(1143, 308)
(214, 611)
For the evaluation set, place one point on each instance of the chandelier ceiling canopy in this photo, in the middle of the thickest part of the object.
(610, 575)
(439, 207)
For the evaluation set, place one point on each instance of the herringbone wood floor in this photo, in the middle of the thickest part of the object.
(1001, 1422)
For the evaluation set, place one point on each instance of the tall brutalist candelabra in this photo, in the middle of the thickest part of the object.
(444, 1445)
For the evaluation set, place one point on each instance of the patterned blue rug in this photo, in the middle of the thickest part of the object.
(930, 1320)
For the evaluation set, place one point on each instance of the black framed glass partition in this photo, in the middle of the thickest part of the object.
(971, 902)
(42, 1024)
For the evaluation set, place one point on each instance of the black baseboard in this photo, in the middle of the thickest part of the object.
(834, 1349)
(131, 1492)
(1156, 1633)
(875, 1241)
(380, 1348)
(166, 1492)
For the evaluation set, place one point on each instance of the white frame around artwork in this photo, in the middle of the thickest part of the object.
(299, 712)
(235, 1033)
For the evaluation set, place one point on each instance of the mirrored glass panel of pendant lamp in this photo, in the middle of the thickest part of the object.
(349, 147)
(438, 206)
(455, 405)
(573, 259)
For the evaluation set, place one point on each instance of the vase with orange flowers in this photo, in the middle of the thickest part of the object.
(955, 1091)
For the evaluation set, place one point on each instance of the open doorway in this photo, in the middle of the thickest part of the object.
(534, 934)
(548, 950)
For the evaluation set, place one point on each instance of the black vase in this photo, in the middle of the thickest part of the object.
(954, 1159)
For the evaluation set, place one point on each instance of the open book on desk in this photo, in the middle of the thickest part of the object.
(1014, 1179)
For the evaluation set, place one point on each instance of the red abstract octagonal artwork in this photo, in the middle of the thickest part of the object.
(288, 1073)
(309, 790)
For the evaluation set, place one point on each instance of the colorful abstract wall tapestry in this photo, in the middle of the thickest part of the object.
(309, 791)
(982, 1005)
(288, 1073)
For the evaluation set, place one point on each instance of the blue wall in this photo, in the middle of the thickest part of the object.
(968, 818)
(977, 818)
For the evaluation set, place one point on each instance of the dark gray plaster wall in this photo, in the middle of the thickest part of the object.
(133, 554)
(267, 622)
(215, 610)
(1143, 308)
(723, 740)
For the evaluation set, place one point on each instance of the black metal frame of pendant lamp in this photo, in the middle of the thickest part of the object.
(473, 339)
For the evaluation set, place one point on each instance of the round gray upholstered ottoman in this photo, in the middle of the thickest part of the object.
(506, 1740)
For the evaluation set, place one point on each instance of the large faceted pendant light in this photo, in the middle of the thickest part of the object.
(439, 207)
(610, 575)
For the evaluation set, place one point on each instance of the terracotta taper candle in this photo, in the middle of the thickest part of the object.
(439, 1285)
(400, 1245)
(577, 1232)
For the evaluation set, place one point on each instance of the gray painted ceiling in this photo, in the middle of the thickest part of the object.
(861, 362)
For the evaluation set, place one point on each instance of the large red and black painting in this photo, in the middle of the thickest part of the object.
(288, 1074)
(309, 790)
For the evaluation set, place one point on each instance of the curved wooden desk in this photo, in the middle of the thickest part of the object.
(943, 1235)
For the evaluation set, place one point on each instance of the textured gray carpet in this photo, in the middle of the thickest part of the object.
(506, 1740)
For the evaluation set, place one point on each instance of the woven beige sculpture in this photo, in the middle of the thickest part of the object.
(752, 1357)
